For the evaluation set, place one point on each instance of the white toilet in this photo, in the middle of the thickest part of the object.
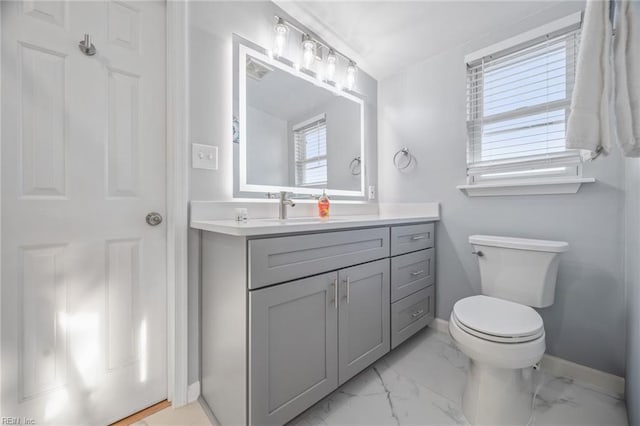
(499, 331)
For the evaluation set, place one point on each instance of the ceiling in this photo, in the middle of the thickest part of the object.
(387, 36)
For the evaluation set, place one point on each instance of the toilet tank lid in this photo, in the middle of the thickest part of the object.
(519, 243)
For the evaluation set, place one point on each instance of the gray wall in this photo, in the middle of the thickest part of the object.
(268, 150)
(211, 25)
(423, 108)
(632, 233)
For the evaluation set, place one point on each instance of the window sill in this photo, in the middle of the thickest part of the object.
(531, 187)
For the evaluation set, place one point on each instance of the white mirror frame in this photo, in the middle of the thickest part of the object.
(245, 187)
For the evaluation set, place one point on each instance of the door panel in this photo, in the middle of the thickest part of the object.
(293, 348)
(83, 162)
(363, 317)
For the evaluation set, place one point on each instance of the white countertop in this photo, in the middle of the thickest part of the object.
(256, 227)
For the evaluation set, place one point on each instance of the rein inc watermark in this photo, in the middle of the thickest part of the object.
(17, 421)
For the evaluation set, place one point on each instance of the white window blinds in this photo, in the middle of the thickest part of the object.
(517, 106)
(311, 152)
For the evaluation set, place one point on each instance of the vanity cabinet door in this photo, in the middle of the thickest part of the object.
(293, 347)
(364, 334)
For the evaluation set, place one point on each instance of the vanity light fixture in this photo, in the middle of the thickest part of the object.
(308, 47)
(312, 49)
(282, 31)
(351, 75)
(331, 65)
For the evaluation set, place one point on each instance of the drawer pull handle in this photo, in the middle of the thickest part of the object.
(335, 293)
(417, 314)
(416, 273)
(348, 289)
(418, 237)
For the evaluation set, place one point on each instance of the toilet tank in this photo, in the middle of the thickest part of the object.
(518, 269)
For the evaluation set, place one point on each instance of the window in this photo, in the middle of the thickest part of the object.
(517, 105)
(310, 138)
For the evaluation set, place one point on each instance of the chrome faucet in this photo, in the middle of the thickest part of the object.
(284, 202)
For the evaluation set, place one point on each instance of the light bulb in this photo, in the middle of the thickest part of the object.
(351, 75)
(307, 51)
(280, 42)
(331, 65)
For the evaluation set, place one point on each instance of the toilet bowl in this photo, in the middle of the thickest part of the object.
(503, 341)
(500, 332)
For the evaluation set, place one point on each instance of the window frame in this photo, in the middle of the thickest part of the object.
(553, 166)
(320, 119)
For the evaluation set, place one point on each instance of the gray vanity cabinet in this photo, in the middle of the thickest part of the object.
(288, 318)
(363, 317)
(293, 347)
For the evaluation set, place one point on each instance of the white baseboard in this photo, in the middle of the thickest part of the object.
(440, 325)
(193, 392)
(606, 382)
(207, 410)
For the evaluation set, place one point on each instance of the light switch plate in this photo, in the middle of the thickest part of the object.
(372, 192)
(204, 156)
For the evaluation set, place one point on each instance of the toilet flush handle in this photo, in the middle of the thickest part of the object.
(478, 253)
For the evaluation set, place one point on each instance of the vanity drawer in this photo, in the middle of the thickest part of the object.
(412, 272)
(411, 314)
(275, 260)
(407, 238)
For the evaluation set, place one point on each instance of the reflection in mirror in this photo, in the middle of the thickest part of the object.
(297, 133)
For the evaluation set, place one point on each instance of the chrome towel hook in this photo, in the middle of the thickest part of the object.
(406, 154)
(86, 46)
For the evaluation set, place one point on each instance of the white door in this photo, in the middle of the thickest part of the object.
(83, 162)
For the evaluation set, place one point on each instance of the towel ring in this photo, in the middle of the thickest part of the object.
(404, 152)
(597, 153)
(356, 166)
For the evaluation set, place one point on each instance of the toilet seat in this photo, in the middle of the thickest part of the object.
(497, 320)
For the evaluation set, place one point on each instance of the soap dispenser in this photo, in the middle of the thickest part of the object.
(323, 206)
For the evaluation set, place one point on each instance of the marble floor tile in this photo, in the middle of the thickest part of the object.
(432, 360)
(561, 401)
(421, 383)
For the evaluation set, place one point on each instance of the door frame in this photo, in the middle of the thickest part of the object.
(1, 206)
(177, 149)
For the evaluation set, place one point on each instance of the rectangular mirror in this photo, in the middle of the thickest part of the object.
(294, 132)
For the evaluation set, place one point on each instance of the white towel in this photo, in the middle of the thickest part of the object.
(627, 77)
(589, 125)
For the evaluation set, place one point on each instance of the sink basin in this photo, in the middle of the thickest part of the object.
(294, 220)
